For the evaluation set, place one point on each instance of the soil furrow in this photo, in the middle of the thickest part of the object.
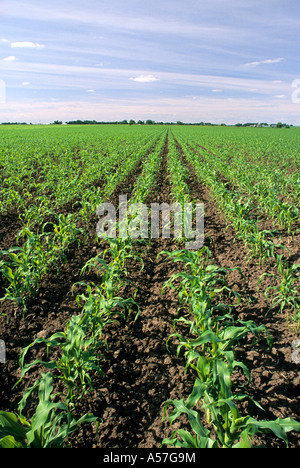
(140, 372)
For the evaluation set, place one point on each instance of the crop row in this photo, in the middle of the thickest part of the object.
(260, 243)
(206, 334)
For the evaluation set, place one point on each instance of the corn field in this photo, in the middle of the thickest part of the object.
(138, 342)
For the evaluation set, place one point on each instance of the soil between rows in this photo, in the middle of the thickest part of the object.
(140, 372)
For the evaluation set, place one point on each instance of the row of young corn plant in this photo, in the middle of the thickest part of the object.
(260, 243)
(77, 355)
(286, 293)
(271, 157)
(261, 185)
(237, 210)
(151, 168)
(207, 334)
(92, 196)
(24, 267)
(178, 173)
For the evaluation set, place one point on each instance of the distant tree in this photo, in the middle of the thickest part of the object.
(131, 122)
(279, 125)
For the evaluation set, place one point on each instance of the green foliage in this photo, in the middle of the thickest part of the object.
(286, 293)
(208, 336)
(48, 427)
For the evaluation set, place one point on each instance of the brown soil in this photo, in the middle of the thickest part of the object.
(140, 373)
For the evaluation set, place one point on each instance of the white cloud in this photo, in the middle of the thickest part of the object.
(264, 62)
(144, 79)
(4, 41)
(26, 45)
(25, 83)
(87, 78)
(11, 58)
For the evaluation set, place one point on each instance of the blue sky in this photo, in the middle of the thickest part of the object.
(166, 60)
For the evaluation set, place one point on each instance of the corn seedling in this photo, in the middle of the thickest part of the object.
(25, 267)
(120, 251)
(209, 352)
(200, 277)
(231, 429)
(261, 245)
(286, 293)
(102, 309)
(78, 356)
(49, 426)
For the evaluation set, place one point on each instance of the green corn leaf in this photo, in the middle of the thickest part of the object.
(188, 440)
(8, 273)
(10, 427)
(206, 337)
(10, 442)
(244, 442)
(194, 418)
(280, 427)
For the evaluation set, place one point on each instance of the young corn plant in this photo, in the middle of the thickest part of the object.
(231, 429)
(199, 278)
(114, 274)
(50, 425)
(260, 245)
(209, 352)
(31, 217)
(78, 346)
(120, 251)
(65, 233)
(101, 307)
(286, 293)
(110, 274)
(77, 356)
(25, 267)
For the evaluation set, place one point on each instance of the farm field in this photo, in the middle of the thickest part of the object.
(141, 342)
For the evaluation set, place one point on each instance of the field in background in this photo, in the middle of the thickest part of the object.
(118, 328)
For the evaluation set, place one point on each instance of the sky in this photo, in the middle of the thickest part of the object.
(167, 60)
